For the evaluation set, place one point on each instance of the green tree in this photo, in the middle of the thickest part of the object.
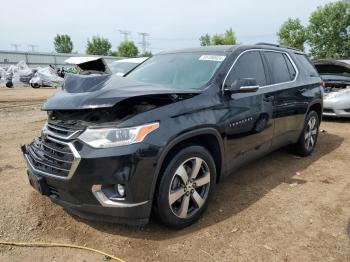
(226, 39)
(328, 31)
(63, 44)
(229, 37)
(146, 54)
(292, 34)
(98, 46)
(205, 40)
(127, 49)
(217, 40)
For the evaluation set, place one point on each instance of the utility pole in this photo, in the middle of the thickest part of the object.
(32, 47)
(125, 34)
(15, 46)
(144, 42)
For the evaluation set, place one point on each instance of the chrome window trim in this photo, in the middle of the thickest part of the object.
(106, 202)
(264, 50)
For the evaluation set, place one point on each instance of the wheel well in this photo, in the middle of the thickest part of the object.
(208, 141)
(318, 109)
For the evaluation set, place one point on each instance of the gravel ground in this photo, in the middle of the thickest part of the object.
(264, 212)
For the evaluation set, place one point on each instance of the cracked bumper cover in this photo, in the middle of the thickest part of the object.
(133, 166)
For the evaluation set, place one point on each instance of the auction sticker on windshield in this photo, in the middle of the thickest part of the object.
(216, 58)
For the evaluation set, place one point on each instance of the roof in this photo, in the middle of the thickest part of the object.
(229, 48)
(212, 48)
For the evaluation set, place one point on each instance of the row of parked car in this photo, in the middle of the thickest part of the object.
(51, 76)
(35, 77)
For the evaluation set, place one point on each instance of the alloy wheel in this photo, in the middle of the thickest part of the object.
(311, 133)
(189, 187)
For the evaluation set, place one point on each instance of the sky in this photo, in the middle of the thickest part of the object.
(171, 24)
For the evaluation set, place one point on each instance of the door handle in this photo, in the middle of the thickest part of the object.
(269, 98)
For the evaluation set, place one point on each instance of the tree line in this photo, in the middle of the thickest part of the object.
(327, 35)
(98, 46)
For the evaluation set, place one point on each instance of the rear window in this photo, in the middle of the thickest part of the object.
(281, 71)
(306, 64)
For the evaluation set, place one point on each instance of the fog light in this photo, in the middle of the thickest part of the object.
(121, 190)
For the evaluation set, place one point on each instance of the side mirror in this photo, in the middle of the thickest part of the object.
(242, 85)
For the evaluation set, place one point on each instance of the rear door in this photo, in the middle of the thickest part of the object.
(289, 105)
(249, 124)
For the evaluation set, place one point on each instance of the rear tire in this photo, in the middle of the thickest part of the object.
(9, 84)
(35, 85)
(185, 187)
(308, 138)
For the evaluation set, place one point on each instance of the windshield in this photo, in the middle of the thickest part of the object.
(121, 67)
(180, 70)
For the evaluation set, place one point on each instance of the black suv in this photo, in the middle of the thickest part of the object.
(161, 137)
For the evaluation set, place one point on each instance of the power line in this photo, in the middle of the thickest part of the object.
(196, 39)
(15, 46)
(126, 34)
(144, 42)
(32, 47)
(174, 39)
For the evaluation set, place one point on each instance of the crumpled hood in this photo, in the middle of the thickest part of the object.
(97, 91)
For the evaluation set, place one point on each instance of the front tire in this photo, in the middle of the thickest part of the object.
(185, 187)
(308, 138)
(35, 85)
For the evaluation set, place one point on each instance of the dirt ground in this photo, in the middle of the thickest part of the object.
(264, 212)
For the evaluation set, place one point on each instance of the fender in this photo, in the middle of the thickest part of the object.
(179, 139)
(314, 102)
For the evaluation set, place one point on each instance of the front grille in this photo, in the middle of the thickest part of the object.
(50, 157)
(61, 131)
(51, 154)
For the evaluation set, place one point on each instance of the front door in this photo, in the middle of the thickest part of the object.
(249, 123)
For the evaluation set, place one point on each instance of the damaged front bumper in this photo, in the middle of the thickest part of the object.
(81, 178)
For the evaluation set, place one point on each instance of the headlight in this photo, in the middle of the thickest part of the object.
(111, 137)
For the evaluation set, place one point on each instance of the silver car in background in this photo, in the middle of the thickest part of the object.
(336, 77)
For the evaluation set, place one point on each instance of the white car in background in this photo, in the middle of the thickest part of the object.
(336, 77)
(123, 66)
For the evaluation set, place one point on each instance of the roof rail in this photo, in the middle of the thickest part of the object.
(276, 45)
(262, 43)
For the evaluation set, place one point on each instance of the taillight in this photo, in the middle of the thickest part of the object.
(323, 84)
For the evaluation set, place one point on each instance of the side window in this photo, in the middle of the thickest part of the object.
(308, 67)
(279, 68)
(249, 65)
